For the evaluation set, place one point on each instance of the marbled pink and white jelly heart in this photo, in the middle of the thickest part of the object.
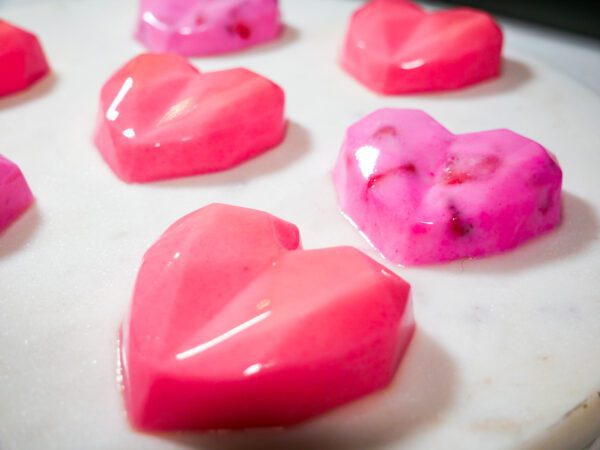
(205, 27)
(421, 194)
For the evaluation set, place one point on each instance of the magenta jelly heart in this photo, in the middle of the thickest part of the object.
(22, 60)
(15, 196)
(160, 118)
(395, 47)
(232, 325)
(421, 194)
(206, 27)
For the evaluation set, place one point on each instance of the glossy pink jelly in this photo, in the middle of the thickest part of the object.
(15, 196)
(394, 47)
(206, 27)
(22, 60)
(232, 325)
(421, 194)
(160, 118)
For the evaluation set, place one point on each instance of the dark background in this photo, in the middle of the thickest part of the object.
(578, 16)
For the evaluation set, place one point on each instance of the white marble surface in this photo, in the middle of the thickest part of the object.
(506, 355)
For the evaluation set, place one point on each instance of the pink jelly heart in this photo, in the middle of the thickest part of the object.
(421, 194)
(22, 60)
(233, 326)
(394, 47)
(15, 196)
(205, 27)
(159, 118)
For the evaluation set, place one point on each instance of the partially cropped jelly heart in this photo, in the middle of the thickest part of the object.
(15, 196)
(421, 194)
(233, 326)
(22, 60)
(205, 27)
(159, 118)
(394, 47)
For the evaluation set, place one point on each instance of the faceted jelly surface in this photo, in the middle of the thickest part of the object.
(160, 118)
(205, 27)
(421, 194)
(394, 47)
(232, 325)
(15, 196)
(22, 60)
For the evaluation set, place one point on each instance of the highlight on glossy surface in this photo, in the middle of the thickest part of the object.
(421, 194)
(206, 27)
(15, 195)
(22, 60)
(232, 325)
(395, 47)
(160, 118)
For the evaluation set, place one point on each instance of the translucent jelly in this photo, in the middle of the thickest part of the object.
(160, 118)
(22, 60)
(395, 47)
(232, 325)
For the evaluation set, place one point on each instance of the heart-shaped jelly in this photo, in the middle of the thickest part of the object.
(160, 118)
(421, 194)
(15, 196)
(22, 60)
(205, 27)
(232, 325)
(394, 47)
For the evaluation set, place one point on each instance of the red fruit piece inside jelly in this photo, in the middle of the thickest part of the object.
(241, 29)
(458, 226)
(462, 169)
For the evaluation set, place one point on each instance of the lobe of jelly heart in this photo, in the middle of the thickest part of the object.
(459, 171)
